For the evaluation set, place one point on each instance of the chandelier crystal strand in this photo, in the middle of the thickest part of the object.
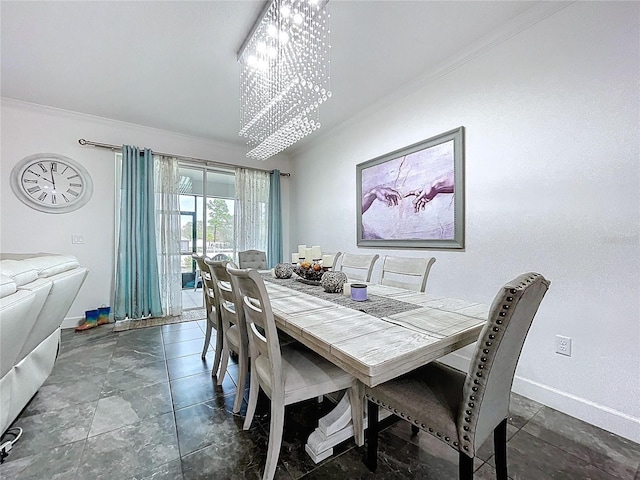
(285, 75)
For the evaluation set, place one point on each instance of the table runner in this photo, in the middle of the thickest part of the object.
(376, 306)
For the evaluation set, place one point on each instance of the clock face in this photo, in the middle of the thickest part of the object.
(51, 183)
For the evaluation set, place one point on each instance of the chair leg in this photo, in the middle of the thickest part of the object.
(500, 447)
(466, 467)
(254, 390)
(372, 436)
(207, 339)
(224, 362)
(275, 437)
(243, 367)
(219, 346)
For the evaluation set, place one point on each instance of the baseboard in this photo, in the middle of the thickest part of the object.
(601, 416)
(72, 322)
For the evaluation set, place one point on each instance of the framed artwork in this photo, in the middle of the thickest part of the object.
(413, 197)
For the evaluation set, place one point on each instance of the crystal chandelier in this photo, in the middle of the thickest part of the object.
(284, 75)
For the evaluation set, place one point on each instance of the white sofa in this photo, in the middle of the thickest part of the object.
(36, 292)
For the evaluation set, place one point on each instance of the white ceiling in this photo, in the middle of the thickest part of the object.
(172, 65)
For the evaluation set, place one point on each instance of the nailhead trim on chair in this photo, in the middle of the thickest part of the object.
(494, 338)
(424, 427)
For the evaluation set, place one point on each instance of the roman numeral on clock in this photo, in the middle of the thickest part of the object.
(33, 189)
(42, 196)
(75, 194)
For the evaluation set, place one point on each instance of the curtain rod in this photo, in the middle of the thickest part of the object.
(109, 146)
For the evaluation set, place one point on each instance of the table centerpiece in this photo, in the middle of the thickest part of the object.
(309, 273)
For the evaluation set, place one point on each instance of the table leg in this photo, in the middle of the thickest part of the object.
(333, 428)
(338, 426)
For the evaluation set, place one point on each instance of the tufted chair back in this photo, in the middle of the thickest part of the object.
(252, 259)
(487, 387)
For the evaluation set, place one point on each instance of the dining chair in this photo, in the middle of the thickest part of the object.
(212, 313)
(358, 267)
(461, 409)
(336, 259)
(408, 273)
(286, 374)
(234, 329)
(219, 257)
(197, 278)
(252, 259)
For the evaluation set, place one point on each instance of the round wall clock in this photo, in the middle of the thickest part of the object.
(51, 183)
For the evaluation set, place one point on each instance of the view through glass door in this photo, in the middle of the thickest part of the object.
(206, 221)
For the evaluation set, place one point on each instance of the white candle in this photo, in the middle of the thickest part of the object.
(295, 257)
(301, 250)
(316, 252)
(308, 254)
(327, 261)
(346, 289)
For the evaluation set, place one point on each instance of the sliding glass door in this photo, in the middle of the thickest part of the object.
(206, 212)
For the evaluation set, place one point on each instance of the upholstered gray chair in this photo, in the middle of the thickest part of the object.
(252, 259)
(286, 374)
(234, 329)
(404, 272)
(462, 409)
(358, 267)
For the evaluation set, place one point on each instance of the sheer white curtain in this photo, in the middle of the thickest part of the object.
(251, 210)
(168, 233)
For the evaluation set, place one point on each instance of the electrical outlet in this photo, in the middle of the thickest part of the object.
(77, 239)
(563, 345)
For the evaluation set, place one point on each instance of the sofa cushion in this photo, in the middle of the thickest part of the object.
(20, 272)
(7, 286)
(50, 265)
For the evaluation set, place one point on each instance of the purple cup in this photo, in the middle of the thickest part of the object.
(358, 292)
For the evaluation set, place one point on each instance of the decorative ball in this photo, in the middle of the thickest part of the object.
(332, 282)
(283, 270)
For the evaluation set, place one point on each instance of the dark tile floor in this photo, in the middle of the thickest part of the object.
(141, 404)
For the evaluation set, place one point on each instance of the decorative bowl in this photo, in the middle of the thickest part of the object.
(308, 271)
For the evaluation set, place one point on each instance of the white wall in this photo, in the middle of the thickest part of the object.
(27, 129)
(552, 185)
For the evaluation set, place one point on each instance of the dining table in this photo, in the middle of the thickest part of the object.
(392, 332)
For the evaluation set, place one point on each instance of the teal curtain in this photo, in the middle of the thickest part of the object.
(137, 289)
(274, 253)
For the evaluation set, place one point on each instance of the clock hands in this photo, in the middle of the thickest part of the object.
(53, 180)
(40, 176)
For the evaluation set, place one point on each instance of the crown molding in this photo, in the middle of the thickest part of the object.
(45, 109)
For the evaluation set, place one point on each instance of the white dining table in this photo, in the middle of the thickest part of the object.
(373, 347)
